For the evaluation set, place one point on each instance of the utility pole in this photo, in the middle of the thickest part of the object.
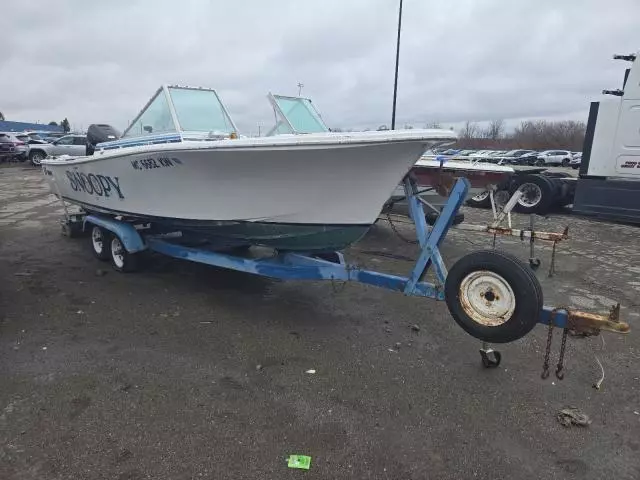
(395, 83)
(300, 86)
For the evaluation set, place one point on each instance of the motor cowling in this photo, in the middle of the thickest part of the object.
(98, 133)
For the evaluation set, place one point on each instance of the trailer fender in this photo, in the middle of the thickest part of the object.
(127, 233)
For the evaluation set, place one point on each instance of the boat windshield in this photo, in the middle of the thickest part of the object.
(295, 115)
(154, 119)
(196, 110)
(200, 111)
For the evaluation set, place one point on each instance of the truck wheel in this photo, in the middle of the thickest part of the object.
(36, 157)
(538, 194)
(493, 296)
(482, 200)
(121, 260)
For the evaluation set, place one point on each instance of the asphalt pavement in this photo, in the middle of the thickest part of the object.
(183, 371)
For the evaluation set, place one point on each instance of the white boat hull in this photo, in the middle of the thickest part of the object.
(329, 181)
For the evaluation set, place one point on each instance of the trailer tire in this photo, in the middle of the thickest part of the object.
(538, 194)
(100, 243)
(493, 296)
(121, 260)
(482, 200)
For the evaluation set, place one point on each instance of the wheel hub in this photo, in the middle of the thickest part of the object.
(487, 298)
(531, 195)
(481, 196)
(117, 252)
(98, 241)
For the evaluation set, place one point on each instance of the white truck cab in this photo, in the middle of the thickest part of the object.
(609, 182)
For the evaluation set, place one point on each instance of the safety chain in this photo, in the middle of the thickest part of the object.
(560, 366)
(400, 236)
(547, 353)
(563, 346)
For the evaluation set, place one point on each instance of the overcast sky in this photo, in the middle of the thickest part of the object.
(99, 61)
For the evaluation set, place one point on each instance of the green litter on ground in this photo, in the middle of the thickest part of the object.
(299, 461)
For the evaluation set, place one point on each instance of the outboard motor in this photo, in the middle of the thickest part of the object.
(98, 133)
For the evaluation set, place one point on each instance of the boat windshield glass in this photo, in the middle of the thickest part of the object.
(196, 110)
(200, 110)
(299, 112)
(154, 120)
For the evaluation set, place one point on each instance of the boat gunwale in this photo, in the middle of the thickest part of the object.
(299, 142)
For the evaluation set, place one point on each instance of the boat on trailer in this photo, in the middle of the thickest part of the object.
(182, 164)
(492, 295)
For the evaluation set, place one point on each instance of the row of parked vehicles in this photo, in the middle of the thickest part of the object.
(565, 158)
(34, 146)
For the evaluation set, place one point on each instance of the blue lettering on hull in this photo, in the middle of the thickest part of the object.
(94, 184)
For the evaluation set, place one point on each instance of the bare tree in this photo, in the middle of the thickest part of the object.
(1, 116)
(469, 131)
(495, 130)
(544, 135)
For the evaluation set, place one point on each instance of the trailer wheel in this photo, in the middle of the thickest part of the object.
(482, 200)
(100, 242)
(493, 296)
(538, 194)
(121, 260)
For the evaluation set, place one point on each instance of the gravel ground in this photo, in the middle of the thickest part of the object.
(184, 371)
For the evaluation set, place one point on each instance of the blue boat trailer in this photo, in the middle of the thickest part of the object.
(492, 295)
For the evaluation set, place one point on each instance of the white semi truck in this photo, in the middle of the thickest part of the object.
(608, 185)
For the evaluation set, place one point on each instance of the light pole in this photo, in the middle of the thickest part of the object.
(395, 83)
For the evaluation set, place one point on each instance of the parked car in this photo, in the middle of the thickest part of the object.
(480, 154)
(14, 146)
(576, 161)
(6, 147)
(528, 158)
(516, 157)
(67, 145)
(464, 153)
(554, 157)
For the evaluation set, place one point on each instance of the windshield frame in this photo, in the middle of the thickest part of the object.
(282, 118)
(164, 90)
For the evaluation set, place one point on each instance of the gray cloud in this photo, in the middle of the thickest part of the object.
(469, 59)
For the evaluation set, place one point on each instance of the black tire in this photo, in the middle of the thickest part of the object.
(539, 194)
(575, 167)
(550, 174)
(121, 260)
(504, 269)
(100, 241)
(539, 162)
(36, 157)
(481, 200)
(565, 162)
(432, 217)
